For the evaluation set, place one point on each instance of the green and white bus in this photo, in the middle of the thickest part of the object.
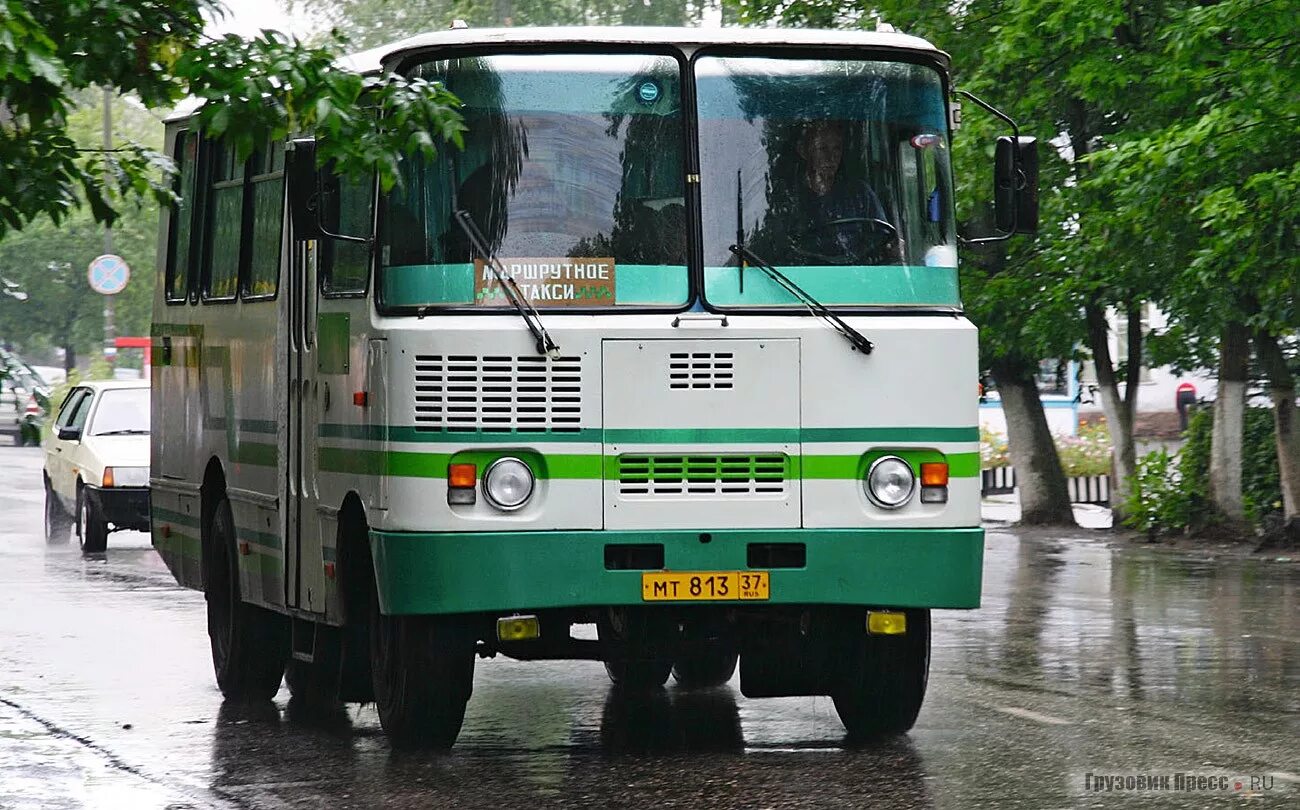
(673, 346)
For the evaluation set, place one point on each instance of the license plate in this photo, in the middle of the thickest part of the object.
(705, 586)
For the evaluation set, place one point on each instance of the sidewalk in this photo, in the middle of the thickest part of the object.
(1003, 509)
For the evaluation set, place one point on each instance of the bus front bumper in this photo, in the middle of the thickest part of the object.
(463, 572)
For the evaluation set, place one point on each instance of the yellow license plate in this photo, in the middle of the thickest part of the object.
(704, 586)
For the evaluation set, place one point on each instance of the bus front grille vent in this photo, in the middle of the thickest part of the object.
(701, 370)
(646, 476)
(473, 394)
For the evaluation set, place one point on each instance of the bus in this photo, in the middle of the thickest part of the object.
(672, 346)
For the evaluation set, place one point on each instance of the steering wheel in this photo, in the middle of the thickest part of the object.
(881, 231)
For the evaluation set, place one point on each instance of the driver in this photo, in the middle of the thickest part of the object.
(835, 208)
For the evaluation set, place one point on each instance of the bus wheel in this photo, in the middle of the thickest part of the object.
(92, 530)
(634, 633)
(882, 682)
(250, 645)
(704, 668)
(423, 673)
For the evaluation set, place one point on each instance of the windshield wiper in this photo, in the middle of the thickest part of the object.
(545, 345)
(858, 340)
(123, 432)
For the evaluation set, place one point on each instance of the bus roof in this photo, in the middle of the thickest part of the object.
(378, 58)
(385, 56)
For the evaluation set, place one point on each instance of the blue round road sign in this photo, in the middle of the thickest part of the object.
(108, 274)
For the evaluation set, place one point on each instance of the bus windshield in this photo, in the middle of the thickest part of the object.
(573, 170)
(836, 171)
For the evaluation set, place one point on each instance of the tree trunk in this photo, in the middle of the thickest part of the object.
(1044, 499)
(1229, 419)
(1286, 426)
(69, 357)
(1120, 412)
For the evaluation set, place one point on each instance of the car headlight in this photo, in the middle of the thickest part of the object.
(508, 483)
(890, 482)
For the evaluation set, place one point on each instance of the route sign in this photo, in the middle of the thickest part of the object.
(108, 274)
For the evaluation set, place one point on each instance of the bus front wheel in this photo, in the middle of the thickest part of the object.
(882, 682)
(423, 673)
(250, 645)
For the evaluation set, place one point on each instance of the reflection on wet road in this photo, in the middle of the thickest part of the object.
(1084, 659)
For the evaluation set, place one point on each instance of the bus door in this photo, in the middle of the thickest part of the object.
(304, 576)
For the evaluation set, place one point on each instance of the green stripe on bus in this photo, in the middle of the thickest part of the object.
(891, 434)
(405, 433)
(175, 329)
(168, 516)
(595, 467)
(414, 435)
(257, 454)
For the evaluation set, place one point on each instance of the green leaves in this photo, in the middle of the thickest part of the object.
(269, 87)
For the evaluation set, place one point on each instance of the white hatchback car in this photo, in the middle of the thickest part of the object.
(97, 463)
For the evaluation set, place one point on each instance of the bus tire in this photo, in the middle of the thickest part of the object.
(250, 645)
(423, 673)
(58, 523)
(634, 633)
(705, 668)
(92, 530)
(881, 685)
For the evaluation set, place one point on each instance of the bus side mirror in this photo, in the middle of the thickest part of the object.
(304, 189)
(1015, 184)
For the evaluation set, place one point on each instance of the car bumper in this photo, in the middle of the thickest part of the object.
(124, 507)
(427, 573)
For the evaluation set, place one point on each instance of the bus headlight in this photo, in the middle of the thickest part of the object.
(508, 483)
(890, 482)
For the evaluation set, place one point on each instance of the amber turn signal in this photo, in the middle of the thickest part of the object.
(934, 474)
(462, 476)
(108, 477)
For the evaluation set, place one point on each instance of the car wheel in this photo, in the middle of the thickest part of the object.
(58, 523)
(250, 645)
(92, 529)
(882, 681)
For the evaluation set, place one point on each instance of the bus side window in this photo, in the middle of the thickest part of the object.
(225, 219)
(181, 222)
(345, 266)
(262, 233)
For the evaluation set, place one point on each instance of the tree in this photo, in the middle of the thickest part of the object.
(368, 23)
(154, 50)
(1202, 174)
(50, 301)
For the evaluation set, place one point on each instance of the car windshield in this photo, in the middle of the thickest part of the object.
(121, 411)
(573, 170)
(836, 171)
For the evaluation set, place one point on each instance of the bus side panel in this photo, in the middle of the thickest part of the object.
(244, 427)
(174, 486)
(343, 360)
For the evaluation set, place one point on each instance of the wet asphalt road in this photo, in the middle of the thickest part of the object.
(1084, 659)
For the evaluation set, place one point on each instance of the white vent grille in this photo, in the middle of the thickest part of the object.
(468, 393)
(702, 475)
(701, 370)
